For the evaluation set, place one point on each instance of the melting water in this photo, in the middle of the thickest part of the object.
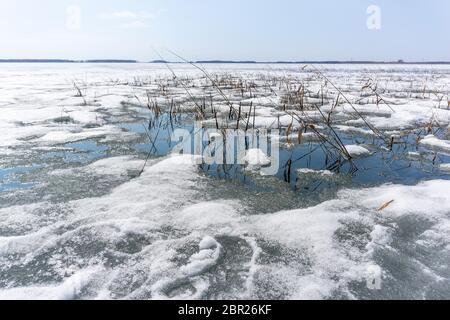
(10, 178)
(155, 141)
(396, 166)
(400, 164)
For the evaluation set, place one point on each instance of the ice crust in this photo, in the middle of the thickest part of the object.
(163, 197)
(163, 235)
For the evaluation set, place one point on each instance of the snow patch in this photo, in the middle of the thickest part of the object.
(68, 290)
(323, 173)
(357, 151)
(445, 167)
(433, 142)
(255, 159)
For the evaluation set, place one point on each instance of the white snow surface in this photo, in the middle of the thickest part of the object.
(166, 235)
(164, 197)
(435, 143)
(357, 151)
(256, 158)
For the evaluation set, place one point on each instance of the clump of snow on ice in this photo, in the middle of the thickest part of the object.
(208, 243)
(445, 167)
(208, 256)
(323, 173)
(355, 130)
(199, 263)
(433, 142)
(357, 151)
(414, 155)
(255, 158)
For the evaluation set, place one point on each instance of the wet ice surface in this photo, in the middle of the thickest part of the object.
(78, 220)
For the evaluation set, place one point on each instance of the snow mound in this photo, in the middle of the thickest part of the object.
(207, 257)
(199, 263)
(323, 173)
(255, 158)
(357, 151)
(445, 167)
(433, 142)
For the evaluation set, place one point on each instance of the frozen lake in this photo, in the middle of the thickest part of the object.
(95, 205)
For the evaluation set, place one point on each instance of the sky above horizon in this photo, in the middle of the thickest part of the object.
(262, 30)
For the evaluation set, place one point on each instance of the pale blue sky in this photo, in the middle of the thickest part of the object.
(264, 30)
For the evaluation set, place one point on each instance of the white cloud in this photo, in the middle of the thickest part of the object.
(137, 24)
(118, 15)
(126, 15)
(129, 19)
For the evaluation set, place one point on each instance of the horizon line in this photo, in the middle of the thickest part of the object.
(218, 61)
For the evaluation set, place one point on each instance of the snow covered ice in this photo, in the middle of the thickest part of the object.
(90, 208)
